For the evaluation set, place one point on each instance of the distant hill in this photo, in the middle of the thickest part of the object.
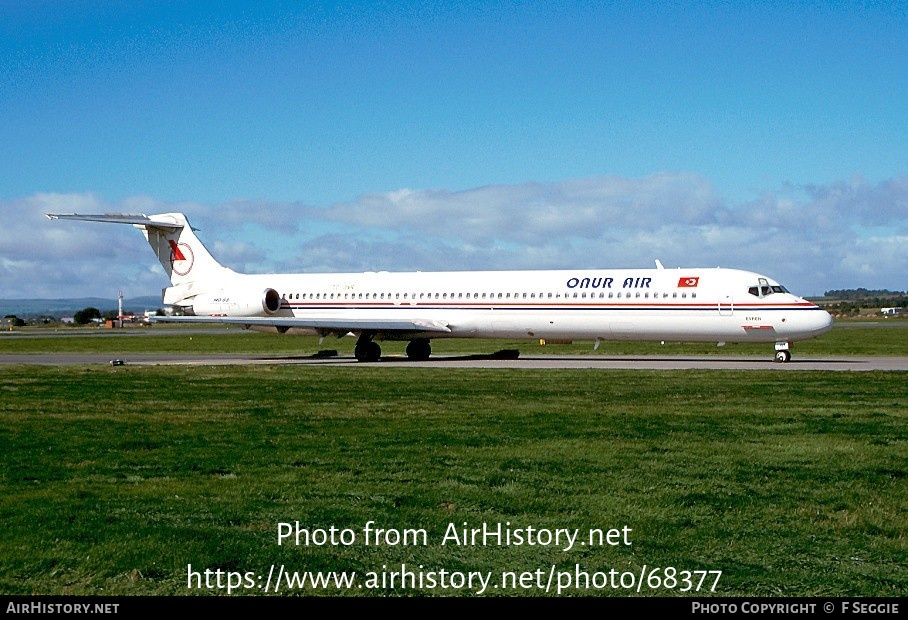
(26, 308)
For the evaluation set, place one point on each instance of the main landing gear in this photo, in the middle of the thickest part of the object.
(419, 349)
(366, 350)
(783, 355)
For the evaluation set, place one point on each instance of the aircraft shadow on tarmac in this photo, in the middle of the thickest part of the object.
(331, 355)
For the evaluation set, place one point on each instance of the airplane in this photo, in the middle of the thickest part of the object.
(676, 305)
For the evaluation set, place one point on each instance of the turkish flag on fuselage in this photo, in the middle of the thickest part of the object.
(688, 282)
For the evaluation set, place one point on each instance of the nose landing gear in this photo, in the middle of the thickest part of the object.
(783, 354)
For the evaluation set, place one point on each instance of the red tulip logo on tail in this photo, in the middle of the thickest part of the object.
(180, 258)
(688, 282)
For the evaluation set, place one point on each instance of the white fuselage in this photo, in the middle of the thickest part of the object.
(694, 305)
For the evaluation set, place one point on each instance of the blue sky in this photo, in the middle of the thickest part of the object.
(358, 136)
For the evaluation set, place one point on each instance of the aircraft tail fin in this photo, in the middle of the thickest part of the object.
(184, 258)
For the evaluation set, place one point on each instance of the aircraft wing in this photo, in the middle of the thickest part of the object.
(326, 324)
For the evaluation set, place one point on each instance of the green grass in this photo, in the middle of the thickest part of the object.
(881, 338)
(115, 479)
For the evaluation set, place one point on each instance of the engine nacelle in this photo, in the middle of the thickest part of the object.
(235, 303)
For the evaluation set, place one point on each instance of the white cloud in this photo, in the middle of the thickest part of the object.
(875, 257)
(243, 257)
(274, 217)
(534, 213)
(813, 238)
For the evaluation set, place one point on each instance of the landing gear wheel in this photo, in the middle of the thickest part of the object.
(419, 349)
(783, 357)
(367, 352)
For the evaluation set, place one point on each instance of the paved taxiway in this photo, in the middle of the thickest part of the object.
(652, 362)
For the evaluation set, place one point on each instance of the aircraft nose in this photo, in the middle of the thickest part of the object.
(827, 321)
(820, 322)
(809, 323)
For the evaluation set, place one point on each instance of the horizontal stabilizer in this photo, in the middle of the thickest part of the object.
(118, 218)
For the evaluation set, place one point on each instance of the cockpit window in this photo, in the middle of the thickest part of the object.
(764, 288)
